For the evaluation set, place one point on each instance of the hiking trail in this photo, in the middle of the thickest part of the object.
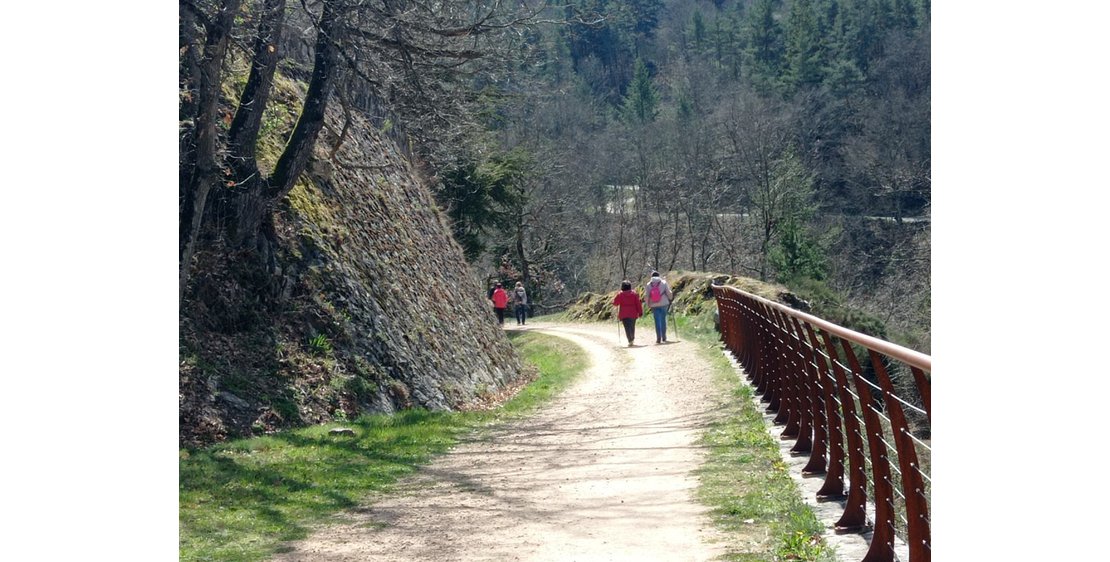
(605, 471)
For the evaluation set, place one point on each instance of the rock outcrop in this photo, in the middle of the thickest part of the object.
(367, 306)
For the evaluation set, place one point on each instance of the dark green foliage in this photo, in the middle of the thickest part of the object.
(480, 196)
(600, 52)
(641, 104)
(319, 345)
(698, 31)
(359, 387)
(805, 46)
(637, 17)
(798, 254)
(765, 48)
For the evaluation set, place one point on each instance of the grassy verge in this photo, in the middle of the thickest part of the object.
(744, 479)
(239, 501)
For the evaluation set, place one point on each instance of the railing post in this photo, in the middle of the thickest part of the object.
(801, 397)
(815, 417)
(854, 518)
(772, 383)
(787, 412)
(833, 486)
(913, 487)
(882, 541)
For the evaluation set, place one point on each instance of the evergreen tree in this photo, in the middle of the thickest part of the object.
(765, 43)
(483, 196)
(641, 105)
(639, 17)
(856, 36)
(799, 254)
(698, 26)
(805, 49)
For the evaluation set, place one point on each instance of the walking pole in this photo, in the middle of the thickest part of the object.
(674, 321)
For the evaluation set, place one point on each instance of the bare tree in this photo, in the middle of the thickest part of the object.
(758, 135)
(413, 53)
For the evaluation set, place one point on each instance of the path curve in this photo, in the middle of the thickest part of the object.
(603, 472)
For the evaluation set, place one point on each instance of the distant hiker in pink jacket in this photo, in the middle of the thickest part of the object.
(630, 309)
(500, 301)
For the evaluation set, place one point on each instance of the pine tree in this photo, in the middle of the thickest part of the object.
(641, 104)
(698, 25)
(805, 48)
(765, 43)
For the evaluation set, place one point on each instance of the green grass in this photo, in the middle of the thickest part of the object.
(744, 480)
(240, 500)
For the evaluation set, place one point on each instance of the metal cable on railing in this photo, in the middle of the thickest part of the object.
(852, 422)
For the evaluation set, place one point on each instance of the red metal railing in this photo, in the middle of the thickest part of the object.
(869, 424)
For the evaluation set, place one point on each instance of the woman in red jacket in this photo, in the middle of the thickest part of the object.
(500, 301)
(630, 309)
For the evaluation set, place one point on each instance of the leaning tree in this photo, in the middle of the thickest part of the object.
(420, 57)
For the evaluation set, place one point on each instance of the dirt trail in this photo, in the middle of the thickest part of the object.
(604, 472)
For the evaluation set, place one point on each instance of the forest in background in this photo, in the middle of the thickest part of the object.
(783, 140)
(575, 144)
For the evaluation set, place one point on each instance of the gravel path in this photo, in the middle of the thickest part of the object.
(604, 472)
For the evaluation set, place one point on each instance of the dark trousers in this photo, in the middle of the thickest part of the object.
(629, 328)
(500, 315)
(521, 313)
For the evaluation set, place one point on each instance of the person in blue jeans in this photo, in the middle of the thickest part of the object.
(658, 296)
(520, 303)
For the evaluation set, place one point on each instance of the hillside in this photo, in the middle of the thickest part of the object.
(348, 173)
(367, 306)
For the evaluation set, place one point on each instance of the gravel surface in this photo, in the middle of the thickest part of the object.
(603, 472)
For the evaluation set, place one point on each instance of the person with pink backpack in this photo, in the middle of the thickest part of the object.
(658, 296)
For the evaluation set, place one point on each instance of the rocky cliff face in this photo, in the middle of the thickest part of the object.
(367, 305)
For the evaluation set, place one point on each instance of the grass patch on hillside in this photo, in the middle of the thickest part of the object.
(240, 500)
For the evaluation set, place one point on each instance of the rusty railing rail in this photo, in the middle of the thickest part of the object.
(866, 419)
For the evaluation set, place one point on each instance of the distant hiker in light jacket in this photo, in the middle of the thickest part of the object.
(630, 309)
(520, 303)
(658, 296)
(500, 301)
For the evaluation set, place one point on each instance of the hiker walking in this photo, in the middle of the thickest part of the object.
(520, 303)
(500, 301)
(658, 295)
(630, 309)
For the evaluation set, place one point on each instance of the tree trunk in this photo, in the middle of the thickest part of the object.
(297, 152)
(524, 269)
(249, 203)
(205, 168)
(675, 242)
(243, 135)
(257, 200)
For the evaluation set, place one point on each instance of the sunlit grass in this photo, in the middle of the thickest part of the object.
(240, 500)
(744, 479)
